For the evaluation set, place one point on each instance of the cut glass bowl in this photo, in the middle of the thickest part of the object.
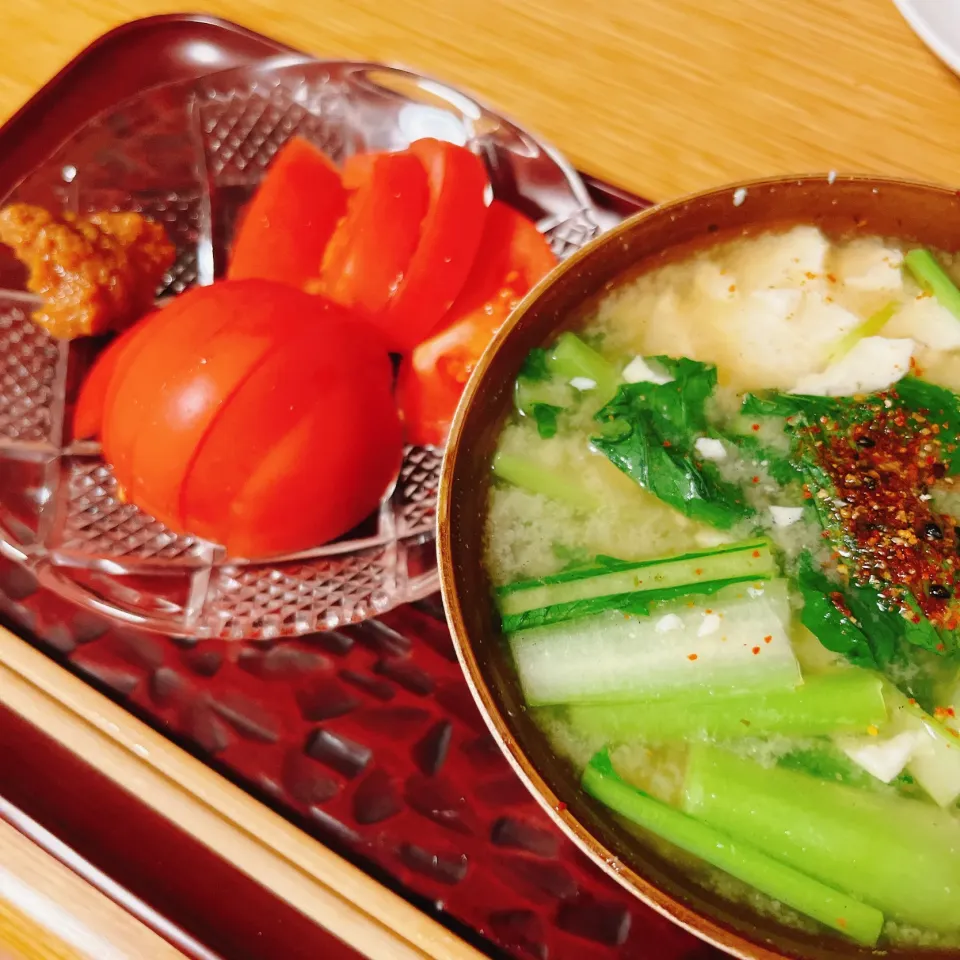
(190, 155)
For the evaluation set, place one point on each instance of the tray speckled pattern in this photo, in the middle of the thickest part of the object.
(367, 737)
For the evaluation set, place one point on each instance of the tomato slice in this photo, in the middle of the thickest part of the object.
(288, 223)
(91, 399)
(374, 243)
(513, 257)
(449, 241)
(303, 450)
(172, 392)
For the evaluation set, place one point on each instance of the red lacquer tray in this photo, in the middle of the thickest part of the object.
(366, 738)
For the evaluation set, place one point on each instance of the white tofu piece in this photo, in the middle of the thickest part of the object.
(873, 363)
(639, 371)
(927, 322)
(780, 335)
(784, 259)
(710, 449)
(883, 759)
(785, 516)
(712, 282)
(870, 266)
(583, 383)
(668, 623)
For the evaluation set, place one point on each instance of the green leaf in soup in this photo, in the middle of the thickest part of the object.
(545, 415)
(941, 406)
(825, 619)
(649, 430)
(535, 365)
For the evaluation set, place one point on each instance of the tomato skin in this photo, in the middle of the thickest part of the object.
(374, 243)
(513, 257)
(449, 241)
(91, 399)
(194, 324)
(173, 390)
(291, 218)
(304, 449)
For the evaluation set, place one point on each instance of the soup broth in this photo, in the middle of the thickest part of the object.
(724, 538)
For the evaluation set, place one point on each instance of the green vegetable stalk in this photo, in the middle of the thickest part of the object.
(934, 279)
(805, 894)
(848, 701)
(536, 478)
(898, 855)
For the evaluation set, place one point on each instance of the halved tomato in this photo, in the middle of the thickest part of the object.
(449, 241)
(194, 318)
(305, 447)
(374, 243)
(173, 390)
(289, 222)
(88, 411)
(513, 257)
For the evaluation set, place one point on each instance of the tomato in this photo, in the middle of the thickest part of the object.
(173, 390)
(449, 241)
(288, 223)
(513, 257)
(374, 243)
(304, 449)
(88, 411)
(194, 324)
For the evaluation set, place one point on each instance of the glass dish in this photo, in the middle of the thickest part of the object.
(190, 154)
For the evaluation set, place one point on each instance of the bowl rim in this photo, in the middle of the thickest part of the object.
(699, 924)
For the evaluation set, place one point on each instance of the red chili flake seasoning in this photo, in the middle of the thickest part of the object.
(768, 639)
(755, 479)
(882, 468)
(756, 426)
(691, 656)
(756, 553)
(755, 651)
(561, 806)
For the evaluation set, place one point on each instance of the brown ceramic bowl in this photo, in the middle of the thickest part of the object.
(847, 206)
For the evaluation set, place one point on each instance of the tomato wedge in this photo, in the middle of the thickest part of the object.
(304, 449)
(449, 241)
(91, 399)
(173, 390)
(288, 223)
(513, 257)
(374, 243)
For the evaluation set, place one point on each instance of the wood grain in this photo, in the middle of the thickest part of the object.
(49, 913)
(662, 96)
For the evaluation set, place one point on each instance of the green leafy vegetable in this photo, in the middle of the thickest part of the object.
(934, 279)
(535, 365)
(637, 602)
(571, 357)
(824, 619)
(940, 406)
(545, 415)
(781, 468)
(649, 430)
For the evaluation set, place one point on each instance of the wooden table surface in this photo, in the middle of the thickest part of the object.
(662, 96)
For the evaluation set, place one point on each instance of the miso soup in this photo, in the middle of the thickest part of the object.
(724, 535)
